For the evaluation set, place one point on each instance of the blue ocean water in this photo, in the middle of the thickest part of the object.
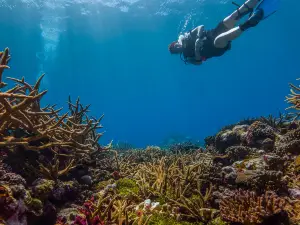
(114, 55)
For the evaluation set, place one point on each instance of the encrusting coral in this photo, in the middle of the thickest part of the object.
(54, 171)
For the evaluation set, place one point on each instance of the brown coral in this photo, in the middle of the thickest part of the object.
(24, 123)
(294, 99)
(248, 208)
(293, 209)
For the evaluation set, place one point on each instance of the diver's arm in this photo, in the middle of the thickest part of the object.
(198, 45)
(197, 32)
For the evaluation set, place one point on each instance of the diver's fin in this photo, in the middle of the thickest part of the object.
(269, 7)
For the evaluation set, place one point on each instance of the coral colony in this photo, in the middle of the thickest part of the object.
(54, 171)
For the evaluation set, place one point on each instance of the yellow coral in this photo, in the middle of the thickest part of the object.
(293, 209)
(297, 163)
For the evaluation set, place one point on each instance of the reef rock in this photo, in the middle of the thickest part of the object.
(235, 153)
(289, 143)
(260, 135)
(86, 179)
(229, 174)
(268, 180)
(292, 146)
(274, 162)
(7, 177)
(14, 209)
(227, 138)
(251, 164)
(64, 191)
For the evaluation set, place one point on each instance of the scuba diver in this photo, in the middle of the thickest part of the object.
(199, 44)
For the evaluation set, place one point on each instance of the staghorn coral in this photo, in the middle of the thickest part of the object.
(196, 207)
(5, 57)
(53, 172)
(149, 154)
(248, 208)
(107, 208)
(122, 146)
(24, 123)
(294, 99)
(159, 219)
(177, 181)
(277, 122)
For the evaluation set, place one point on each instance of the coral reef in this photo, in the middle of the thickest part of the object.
(247, 208)
(54, 171)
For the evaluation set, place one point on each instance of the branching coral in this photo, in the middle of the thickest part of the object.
(108, 208)
(276, 122)
(5, 57)
(53, 171)
(24, 123)
(170, 175)
(196, 206)
(293, 209)
(294, 99)
(248, 208)
(177, 181)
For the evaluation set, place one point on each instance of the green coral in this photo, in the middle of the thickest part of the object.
(241, 165)
(103, 184)
(218, 221)
(162, 199)
(43, 188)
(127, 187)
(158, 219)
(33, 204)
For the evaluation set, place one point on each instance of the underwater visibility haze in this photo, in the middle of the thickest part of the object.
(114, 55)
(103, 123)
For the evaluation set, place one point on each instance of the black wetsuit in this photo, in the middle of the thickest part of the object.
(208, 49)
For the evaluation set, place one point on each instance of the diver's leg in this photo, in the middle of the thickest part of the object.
(222, 39)
(231, 20)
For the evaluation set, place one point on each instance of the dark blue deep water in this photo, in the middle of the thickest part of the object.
(113, 54)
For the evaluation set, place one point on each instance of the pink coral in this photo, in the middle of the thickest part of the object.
(80, 221)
